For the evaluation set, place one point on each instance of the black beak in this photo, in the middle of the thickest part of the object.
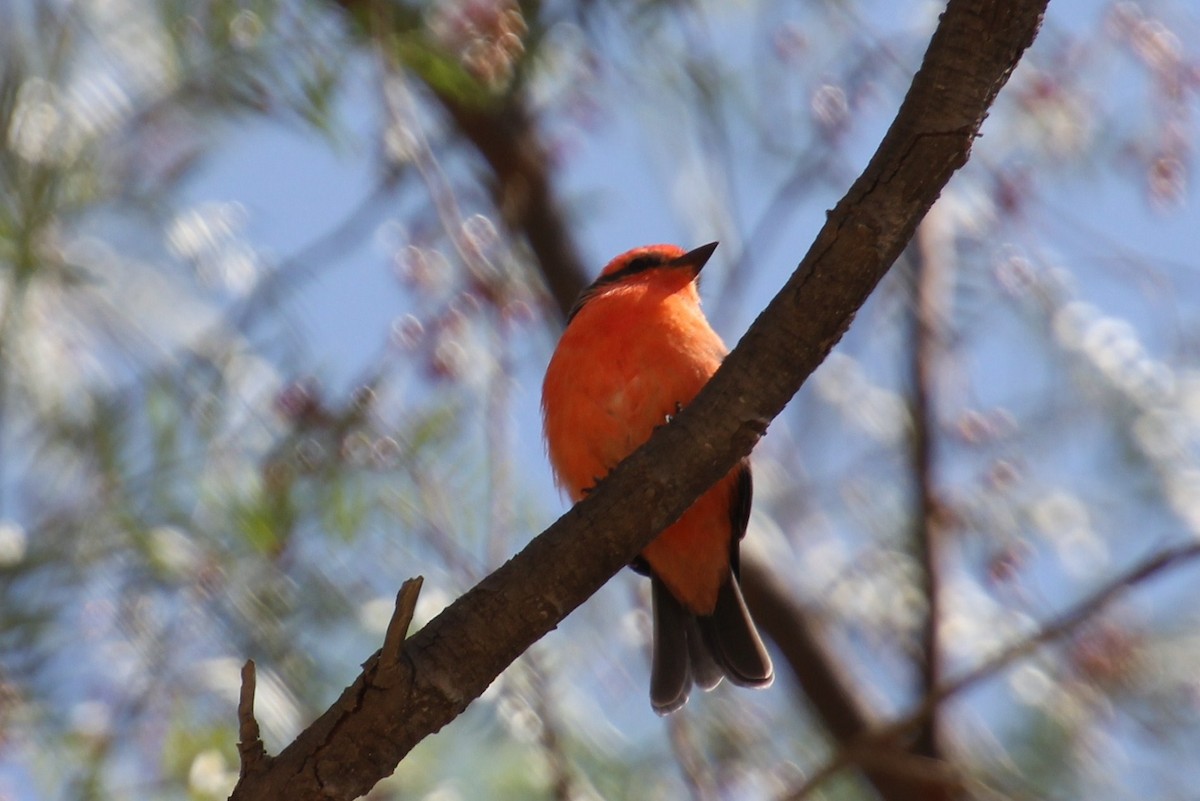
(694, 260)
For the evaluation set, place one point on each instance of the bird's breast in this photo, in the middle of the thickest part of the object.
(618, 373)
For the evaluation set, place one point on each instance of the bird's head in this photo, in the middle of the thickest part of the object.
(664, 268)
(662, 259)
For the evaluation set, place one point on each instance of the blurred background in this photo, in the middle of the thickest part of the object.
(278, 282)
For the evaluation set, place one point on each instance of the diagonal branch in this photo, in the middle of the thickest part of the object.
(505, 135)
(452, 660)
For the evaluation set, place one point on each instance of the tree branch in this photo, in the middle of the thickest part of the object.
(545, 229)
(452, 660)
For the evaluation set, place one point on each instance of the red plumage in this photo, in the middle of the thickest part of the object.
(637, 347)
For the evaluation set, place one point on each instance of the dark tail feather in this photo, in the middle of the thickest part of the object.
(704, 649)
(670, 672)
(733, 640)
(706, 673)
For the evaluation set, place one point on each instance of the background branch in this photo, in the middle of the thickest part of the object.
(928, 258)
(868, 745)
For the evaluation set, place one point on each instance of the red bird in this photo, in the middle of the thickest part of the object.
(637, 348)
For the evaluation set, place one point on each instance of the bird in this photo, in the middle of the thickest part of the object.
(636, 349)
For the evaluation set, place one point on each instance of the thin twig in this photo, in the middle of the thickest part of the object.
(251, 753)
(397, 630)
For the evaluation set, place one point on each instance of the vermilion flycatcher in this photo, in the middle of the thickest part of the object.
(636, 349)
